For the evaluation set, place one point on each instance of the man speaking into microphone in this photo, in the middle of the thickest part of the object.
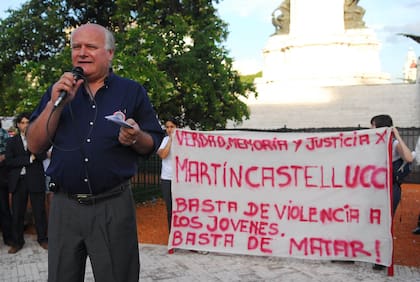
(92, 212)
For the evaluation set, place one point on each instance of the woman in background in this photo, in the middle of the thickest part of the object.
(164, 152)
(399, 151)
(417, 229)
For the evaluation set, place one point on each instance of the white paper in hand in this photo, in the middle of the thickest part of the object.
(119, 118)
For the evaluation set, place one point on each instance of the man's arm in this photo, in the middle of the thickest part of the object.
(164, 151)
(37, 134)
(402, 149)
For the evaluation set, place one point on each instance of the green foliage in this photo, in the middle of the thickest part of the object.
(173, 47)
(251, 77)
(31, 40)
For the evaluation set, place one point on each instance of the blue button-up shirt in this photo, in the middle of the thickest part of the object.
(87, 156)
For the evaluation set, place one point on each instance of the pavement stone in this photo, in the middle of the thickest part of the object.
(30, 264)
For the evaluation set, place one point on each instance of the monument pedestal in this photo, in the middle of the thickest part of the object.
(320, 43)
(311, 80)
(322, 69)
(349, 58)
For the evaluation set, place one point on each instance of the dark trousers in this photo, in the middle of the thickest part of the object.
(396, 197)
(165, 186)
(5, 215)
(19, 205)
(105, 231)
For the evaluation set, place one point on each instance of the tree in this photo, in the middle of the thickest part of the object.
(411, 36)
(31, 40)
(173, 47)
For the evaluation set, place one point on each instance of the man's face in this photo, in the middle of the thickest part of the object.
(89, 53)
(22, 125)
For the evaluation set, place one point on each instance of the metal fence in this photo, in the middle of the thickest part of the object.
(410, 137)
(146, 181)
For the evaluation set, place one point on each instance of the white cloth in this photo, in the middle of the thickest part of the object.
(418, 151)
(47, 161)
(25, 146)
(395, 155)
(166, 172)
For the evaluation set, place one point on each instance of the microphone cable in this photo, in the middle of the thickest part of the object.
(92, 99)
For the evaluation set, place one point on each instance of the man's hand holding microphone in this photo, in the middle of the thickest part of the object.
(65, 88)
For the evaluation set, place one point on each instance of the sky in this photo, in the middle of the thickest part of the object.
(249, 26)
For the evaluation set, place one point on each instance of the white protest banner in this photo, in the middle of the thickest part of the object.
(303, 195)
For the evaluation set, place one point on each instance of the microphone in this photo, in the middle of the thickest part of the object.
(77, 74)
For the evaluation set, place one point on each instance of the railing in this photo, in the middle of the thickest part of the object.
(410, 137)
(146, 181)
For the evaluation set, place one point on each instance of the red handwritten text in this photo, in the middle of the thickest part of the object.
(308, 176)
(201, 140)
(326, 247)
(194, 239)
(344, 214)
(204, 205)
(207, 140)
(340, 141)
(242, 225)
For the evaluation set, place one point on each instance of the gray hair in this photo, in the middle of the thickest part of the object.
(109, 37)
(109, 40)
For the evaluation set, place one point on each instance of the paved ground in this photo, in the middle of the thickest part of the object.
(30, 264)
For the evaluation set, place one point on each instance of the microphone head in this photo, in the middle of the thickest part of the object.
(78, 73)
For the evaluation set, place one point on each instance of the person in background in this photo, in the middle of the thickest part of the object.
(48, 192)
(399, 151)
(164, 152)
(26, 179)
(92, 212)
(417, 229)
(5, 215)
(417, 150)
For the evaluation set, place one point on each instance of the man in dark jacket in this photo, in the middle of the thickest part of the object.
(5, 216)
(26, 178)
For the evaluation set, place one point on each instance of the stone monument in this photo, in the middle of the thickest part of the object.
(322, 43)
(322, 69)
(410, 67)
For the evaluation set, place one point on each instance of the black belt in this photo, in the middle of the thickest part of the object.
(90, 199)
